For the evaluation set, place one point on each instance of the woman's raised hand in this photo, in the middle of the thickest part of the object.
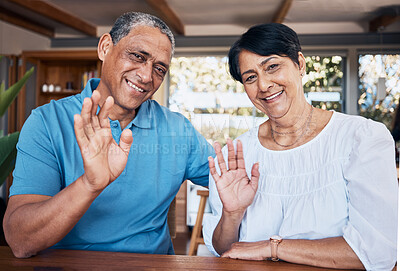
(235, 189)
(103, 159)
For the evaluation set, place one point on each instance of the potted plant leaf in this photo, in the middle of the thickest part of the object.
(8, 142)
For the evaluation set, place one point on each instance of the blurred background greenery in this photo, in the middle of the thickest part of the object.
(202, 89)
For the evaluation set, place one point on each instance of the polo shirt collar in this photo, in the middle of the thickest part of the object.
(143, 116)
(91, 85)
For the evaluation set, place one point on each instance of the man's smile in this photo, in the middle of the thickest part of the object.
(134, 86)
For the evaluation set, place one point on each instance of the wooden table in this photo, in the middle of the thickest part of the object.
(55, 260)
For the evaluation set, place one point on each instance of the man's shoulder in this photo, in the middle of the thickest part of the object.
(55, 115)
(68, 105)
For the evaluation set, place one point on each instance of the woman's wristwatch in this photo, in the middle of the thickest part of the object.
(274, 241)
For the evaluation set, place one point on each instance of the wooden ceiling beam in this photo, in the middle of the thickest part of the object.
(168, 15)
(56, 14)
(283, 10)
(379, 23)
(18, 20)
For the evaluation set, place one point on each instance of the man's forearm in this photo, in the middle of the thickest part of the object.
(34, 222)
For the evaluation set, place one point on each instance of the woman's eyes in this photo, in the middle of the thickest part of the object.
(272, 66)
(269, 68)
(250, 78)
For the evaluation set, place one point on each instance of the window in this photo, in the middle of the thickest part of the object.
(323, 82)
(202, 89)
(374, 104)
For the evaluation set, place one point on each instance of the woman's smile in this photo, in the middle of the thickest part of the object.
(273, 97)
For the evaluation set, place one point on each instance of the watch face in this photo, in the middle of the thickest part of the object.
(276, 237)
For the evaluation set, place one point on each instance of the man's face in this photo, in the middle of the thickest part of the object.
(135, 67)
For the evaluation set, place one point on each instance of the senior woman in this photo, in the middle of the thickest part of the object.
(307, 186)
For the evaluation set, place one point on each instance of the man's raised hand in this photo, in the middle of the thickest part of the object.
(103, 159)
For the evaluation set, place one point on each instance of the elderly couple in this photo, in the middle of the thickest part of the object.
(307, 186)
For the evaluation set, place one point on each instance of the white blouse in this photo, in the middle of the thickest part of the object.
(341, 183)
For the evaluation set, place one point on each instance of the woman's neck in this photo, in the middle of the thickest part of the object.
(293, 121)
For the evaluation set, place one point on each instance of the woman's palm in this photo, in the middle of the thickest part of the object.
(235, 189)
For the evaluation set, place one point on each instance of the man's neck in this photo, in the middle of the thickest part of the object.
(123, 116)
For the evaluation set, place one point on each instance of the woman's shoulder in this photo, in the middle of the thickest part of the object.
(359, 127)
(356, 121)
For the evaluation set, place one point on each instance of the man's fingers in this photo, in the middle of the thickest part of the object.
(221, 160)
(126, 140)
(105, 111)
(95, 100)
(87, 117)
(95, 104)
(80, 134)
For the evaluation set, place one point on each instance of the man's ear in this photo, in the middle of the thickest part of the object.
(105, 44)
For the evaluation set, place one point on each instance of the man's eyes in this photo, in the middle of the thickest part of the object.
(160, 71)
(137, 56)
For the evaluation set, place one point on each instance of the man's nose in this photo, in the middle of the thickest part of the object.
(145, 72)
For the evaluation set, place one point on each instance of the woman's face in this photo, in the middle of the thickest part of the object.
(273, 83)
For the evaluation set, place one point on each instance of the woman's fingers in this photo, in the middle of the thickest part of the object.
(213, 170)
(239, 155)
(221, 160)
(255, 176)
(232, 164)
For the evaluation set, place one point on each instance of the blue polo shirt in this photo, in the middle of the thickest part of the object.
(130, 215)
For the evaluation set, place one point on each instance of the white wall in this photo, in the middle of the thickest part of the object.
(14, 40)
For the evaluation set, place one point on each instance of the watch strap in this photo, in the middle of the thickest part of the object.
(274, 248)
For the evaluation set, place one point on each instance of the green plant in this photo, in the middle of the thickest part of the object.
(8, 142)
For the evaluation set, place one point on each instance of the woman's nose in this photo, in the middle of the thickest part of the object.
(265, 84)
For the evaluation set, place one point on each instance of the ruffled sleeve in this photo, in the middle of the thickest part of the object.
(372, 185)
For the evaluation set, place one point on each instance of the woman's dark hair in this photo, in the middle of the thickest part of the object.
(265, 40)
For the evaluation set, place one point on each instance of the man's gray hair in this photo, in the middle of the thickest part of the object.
(129, 20)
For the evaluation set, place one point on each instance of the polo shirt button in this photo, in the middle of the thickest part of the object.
(114, 125)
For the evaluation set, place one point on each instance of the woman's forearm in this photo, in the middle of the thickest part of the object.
(329, 252)
(227, 231)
